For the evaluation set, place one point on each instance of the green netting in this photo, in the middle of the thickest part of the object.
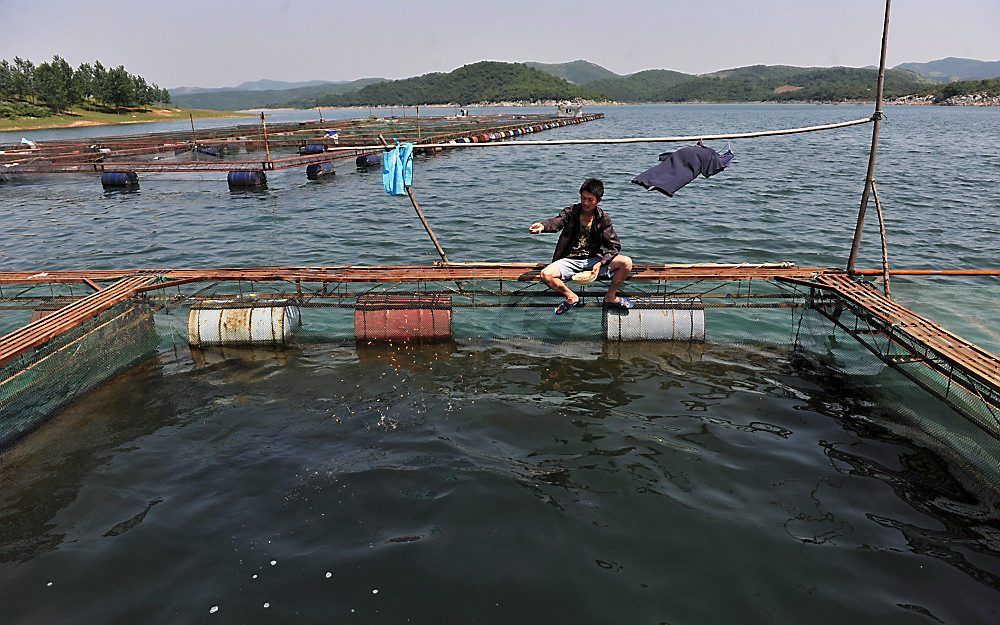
(757, 311)
(37, 383)
(950, 411)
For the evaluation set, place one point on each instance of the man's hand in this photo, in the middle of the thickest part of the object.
(536, 228)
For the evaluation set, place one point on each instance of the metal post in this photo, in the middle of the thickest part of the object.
(267, 148)
(877, 121)
(194, 139)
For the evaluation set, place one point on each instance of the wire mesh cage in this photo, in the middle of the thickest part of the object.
(37, 383)
(245, 319)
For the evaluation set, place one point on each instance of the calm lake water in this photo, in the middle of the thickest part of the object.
(499, 483)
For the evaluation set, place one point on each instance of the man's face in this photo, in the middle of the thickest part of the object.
(589, 200)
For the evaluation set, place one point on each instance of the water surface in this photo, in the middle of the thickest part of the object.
(537, 482)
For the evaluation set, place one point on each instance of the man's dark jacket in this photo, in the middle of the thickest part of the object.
(602, 233)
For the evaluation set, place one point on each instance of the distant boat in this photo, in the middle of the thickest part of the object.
(568, 109)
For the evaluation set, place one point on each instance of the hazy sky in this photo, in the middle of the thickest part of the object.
(221, 43)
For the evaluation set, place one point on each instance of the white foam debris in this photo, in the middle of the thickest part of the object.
(273, 562)
(50, 583)
(329, 574)
(374, 591)
(254, 576)
(213, 609)
(267, 605)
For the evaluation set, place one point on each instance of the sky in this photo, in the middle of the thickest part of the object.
(215, 43)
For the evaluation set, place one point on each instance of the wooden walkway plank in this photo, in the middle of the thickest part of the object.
(951, 348)
(917, 329)
(413, 273)
(39, 332)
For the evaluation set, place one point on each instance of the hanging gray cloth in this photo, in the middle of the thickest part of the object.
(678, 168)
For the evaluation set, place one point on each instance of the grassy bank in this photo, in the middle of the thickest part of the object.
(80, 117)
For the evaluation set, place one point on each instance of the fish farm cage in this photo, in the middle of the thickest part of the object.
(810, 319)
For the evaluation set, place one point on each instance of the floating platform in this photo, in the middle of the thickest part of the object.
(310, 145)
(423, 303)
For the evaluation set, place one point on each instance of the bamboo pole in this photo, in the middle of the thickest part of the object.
(194, 138)
(671, 139)
(885, 251)
(420, 214)
(876, 124)
(267, 148)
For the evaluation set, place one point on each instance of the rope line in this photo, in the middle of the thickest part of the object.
(677, 139)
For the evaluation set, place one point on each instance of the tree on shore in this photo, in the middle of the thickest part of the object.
(23, 78)
(58, 86)
(55, 86)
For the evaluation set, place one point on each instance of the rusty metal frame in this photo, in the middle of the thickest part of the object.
(909, 338)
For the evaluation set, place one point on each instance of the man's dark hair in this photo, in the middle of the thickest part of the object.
(594, 187)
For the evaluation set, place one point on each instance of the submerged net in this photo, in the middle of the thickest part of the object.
(37, 383)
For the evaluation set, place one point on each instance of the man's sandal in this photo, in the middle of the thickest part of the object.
(564, 307)
(621, 302)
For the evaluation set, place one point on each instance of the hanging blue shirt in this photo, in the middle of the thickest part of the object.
(676, 169)
(397, 169)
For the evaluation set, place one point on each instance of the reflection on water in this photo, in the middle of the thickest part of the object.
(44, 472)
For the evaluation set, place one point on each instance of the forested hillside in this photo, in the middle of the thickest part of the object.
(235, 100)
(578, 72)
(486, 81)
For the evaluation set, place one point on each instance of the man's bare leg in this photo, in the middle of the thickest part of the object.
(620, 268)
(552, 277)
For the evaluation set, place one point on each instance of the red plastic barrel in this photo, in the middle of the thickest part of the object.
(402, 318)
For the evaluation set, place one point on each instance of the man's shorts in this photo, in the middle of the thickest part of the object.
(569, 266)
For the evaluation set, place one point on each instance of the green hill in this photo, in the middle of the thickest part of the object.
(236, 100)
(486, 81)
(954, 69)
(990, 87)
(759, 83)
(250, 85)
(491, 81)
(578, 72)
(652, 85)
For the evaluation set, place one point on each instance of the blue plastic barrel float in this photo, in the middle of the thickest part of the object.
(317, 170)
(118, 179)
(247, 179)
(369, 160)
(312, 148)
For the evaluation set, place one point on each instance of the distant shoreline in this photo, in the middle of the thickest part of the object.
(903, 101)
(89, 118)
(180, 114)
